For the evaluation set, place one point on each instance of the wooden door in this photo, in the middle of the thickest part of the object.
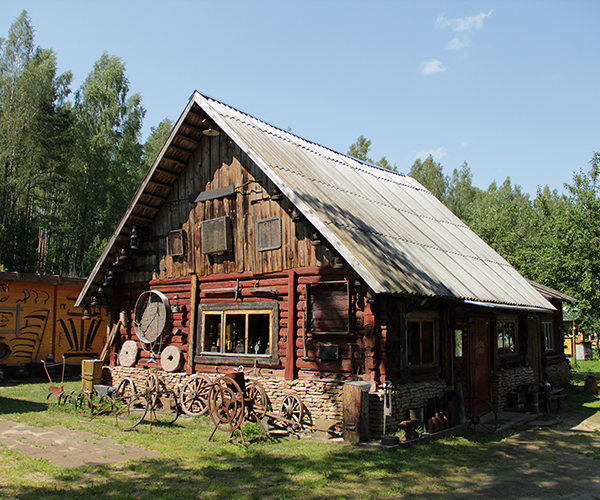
(481, 364)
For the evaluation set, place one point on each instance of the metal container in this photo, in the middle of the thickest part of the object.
(91, 373)
(534, 402)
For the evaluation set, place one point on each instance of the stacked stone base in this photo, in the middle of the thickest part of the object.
(506, 381)
(559, 374)
(322, 399)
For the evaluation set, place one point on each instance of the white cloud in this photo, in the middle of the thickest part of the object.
(432, 66)
(462, 28)
(436, 153)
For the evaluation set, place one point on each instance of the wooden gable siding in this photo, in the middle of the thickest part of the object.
(217, 163)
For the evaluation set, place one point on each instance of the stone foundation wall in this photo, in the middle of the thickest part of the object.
(404, 398)
(321, 399)
(506, 381)
(559, 374)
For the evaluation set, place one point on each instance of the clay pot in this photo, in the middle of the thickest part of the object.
(590, 384)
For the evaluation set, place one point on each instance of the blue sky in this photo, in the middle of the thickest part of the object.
(510, 87)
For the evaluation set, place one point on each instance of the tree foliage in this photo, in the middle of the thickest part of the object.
(68, 168)
(360, 150)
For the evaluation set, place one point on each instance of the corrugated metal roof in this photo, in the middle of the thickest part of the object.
(388, 227)
(551, 293)
(391, 230)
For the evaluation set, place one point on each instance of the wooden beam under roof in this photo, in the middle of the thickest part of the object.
(141, 217)
(148, 207)
(181, 149)
(160, 185)
(174, 160)
(167, 173)
(156, 196)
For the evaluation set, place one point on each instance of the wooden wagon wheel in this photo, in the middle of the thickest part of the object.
(226, 404)
(258, 401)
(291, 408)
(481, 415)
(151, 389)
(194, 395)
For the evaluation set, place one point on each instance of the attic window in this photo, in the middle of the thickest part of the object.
(216, 236)
(176, 243)
(268, 234)
(328, 308)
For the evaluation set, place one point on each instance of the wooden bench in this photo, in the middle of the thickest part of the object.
(553, 395)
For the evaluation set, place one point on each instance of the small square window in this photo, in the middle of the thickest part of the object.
(176, 243)
(268, 233)
(328, 307)
(216, 236)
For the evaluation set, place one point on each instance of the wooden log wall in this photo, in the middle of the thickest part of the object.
(360, 351)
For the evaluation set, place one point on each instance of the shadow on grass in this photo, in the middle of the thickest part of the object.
(16, 406)
(455, 465)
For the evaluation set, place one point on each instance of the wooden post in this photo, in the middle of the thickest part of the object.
(290, 359)
(191, 347)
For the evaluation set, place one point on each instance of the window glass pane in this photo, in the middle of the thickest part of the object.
(510, 336)
(458, 343)
(506, 337)
(212, 332)
(501, 338)
(427, 342)
(258, 333)
(413, 335)
(235, 333)
(548, 336)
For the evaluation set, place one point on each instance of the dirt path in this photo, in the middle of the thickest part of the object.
(562, 462)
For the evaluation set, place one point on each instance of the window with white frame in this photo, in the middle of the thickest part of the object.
(548, 335)
(231, 330)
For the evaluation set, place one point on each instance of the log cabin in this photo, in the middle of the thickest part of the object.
(246, 245)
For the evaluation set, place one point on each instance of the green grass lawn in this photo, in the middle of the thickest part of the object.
(190, 466)
(577, 399)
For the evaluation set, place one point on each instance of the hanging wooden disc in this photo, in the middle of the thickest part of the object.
(151, 315)
(128, 353)
(171, 358)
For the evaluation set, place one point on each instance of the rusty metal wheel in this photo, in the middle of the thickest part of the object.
(130, 411)
(291, 408)
(165, 409)
(125, 388)
(151, 389)
(481, 415)
(194, 395)
(226, 404)
(257, 397)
